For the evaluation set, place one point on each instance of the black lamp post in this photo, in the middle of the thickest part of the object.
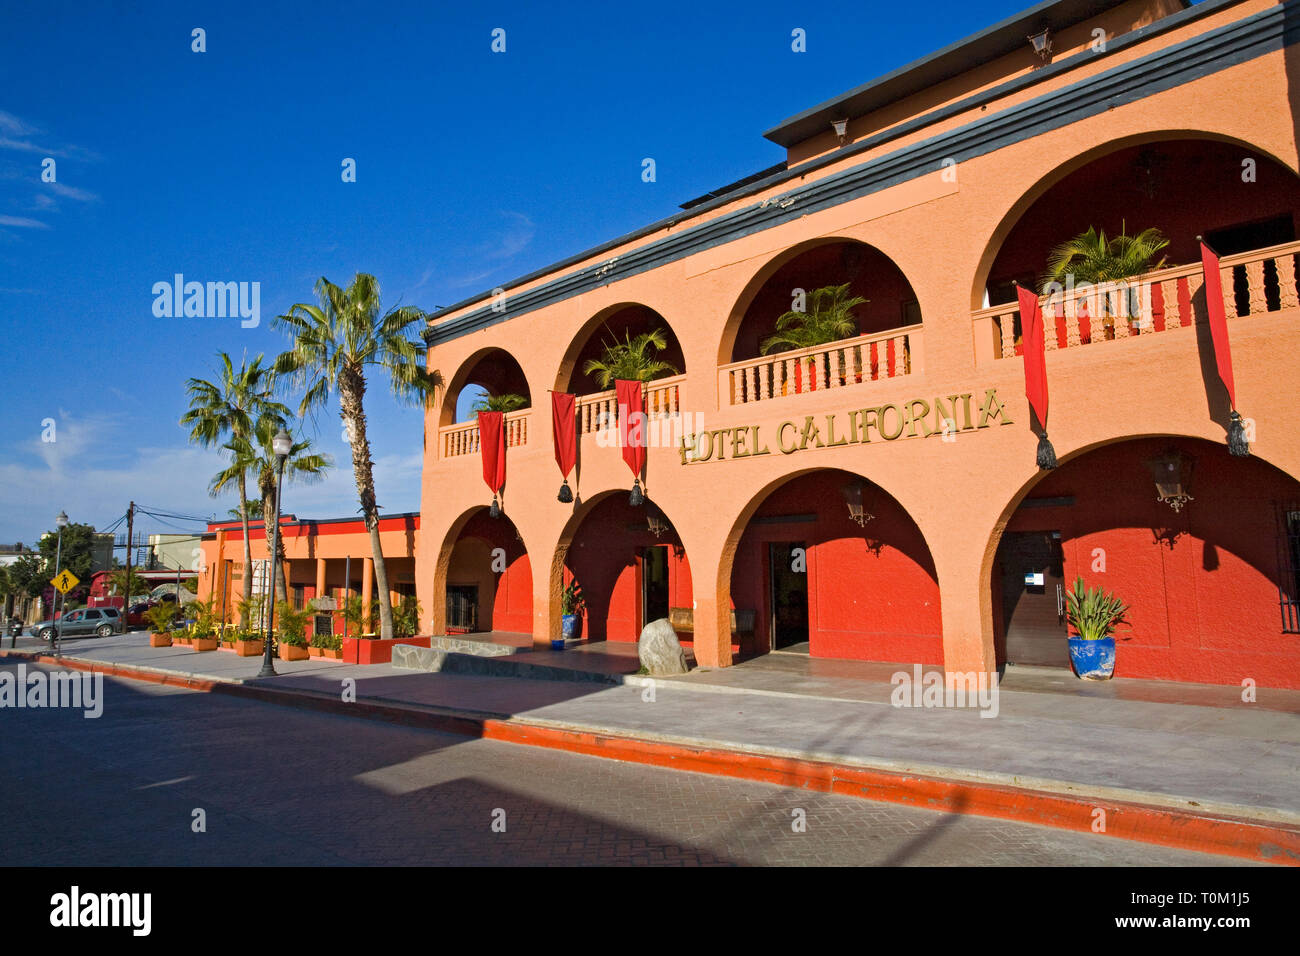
(61, 522)
(281, 445)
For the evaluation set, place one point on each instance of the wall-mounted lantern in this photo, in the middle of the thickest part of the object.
(841, 127)
(853, 497)
(1042, 43)
(1172, 473)
(657, 527)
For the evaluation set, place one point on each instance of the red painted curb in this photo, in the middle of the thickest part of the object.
(1258, 840)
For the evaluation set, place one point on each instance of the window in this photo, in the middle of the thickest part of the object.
(92, 615)
(299, 596)
(1288, 585)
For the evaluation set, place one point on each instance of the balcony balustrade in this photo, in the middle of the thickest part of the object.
(599, 411)
(866, 358)
(1254, 283)
(463, 438)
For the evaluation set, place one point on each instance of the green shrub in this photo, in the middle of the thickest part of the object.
(328, 642)
(1094, 614)
(406, 617)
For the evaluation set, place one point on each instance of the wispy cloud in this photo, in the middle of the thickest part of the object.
(22, 222)
(12, 124)
(72, 192)
(18, 135)
(512, 240)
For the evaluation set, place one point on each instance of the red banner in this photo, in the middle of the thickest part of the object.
(1031, 331)
(564, 429)
(631, 430)
(492, 445)
(1218, 321)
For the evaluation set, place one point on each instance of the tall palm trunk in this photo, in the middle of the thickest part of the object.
(352, 390)
(272, 516)
(248, 545)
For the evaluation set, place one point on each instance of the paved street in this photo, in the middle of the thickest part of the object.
(279, 785)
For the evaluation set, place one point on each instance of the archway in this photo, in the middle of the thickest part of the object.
(1183, 183)
(490, 371)
(485, 575)
(1213, 588)
(869, 273)
(815, 581)
(630, 565)
(610, 327)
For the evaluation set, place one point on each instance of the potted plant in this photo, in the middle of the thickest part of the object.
(159, 618)
(1094, 260)
(572, 605)
(506, 402)
(248, 644)
(830, 318)
(291, 630)
(181, 636)
(632, 360)
(406, 617)
(327, 645)
(1094, 615)
(356, 621)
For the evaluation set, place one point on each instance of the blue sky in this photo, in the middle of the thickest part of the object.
(472, 168)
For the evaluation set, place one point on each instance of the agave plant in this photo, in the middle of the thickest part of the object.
(1094, 259)
(507, 402)
(632, 360)
(1093, 613)
(829, 318)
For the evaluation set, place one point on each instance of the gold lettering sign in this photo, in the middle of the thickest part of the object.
(916, 418)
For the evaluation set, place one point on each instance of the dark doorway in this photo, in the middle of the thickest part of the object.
(462, 608)
(1033, 599)
(788, 610)
(654, 584)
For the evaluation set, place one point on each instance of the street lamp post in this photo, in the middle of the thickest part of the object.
(281, 444)
(61, 522)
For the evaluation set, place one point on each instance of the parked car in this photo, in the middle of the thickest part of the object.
(135, 614)
(86, 620)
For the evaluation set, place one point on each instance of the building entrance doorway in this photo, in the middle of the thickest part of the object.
(654, 584)
(788, 596)
(1033, 599)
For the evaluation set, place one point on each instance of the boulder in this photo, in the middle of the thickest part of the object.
(659, 649)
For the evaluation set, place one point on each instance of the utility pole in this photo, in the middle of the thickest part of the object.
(126, 598)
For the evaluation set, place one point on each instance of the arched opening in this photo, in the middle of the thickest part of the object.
(1213, 587)
(812, 580)
(490, 372)
(1239, 199)
(631, 568)
(826, 339)
(611, 328)
(487, 579)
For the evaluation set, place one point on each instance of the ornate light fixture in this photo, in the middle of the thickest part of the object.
(1042, 43)
(657, 527)
(841, 127)
(1172, 473)
(853, 498)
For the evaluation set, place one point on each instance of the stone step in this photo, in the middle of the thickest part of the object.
(452, 662)
(464, 645)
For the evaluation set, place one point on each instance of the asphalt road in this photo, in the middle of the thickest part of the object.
(277, 785)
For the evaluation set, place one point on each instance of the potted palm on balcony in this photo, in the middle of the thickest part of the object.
(1093, 259)
(505, 402)
(635, 359)
(1094, 615)
(829, 318)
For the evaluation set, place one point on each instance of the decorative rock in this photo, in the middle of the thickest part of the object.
(659, 649)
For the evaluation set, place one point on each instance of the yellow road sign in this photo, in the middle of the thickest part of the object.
(65, 581)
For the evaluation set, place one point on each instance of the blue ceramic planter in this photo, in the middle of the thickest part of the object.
(1093, 660)
(571, 627)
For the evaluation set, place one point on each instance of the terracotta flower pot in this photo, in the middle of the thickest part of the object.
(314, 652)
(290, 653)
(205, 643)
(249, 648)
(334, 654)
(160, 640)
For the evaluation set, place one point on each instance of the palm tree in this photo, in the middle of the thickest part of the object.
(830, 319)
(508, 402)
(258, 456)
(254, 510)
(1093, 259)
(333, 344)
(228, 409)
(632, 360)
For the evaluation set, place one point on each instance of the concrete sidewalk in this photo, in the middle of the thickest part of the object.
(1195, 748)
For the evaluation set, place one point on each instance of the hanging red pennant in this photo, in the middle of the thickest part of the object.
(631, 432)
(492, 446)
(1214, 310)
(1032, 339)
(564, 430)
